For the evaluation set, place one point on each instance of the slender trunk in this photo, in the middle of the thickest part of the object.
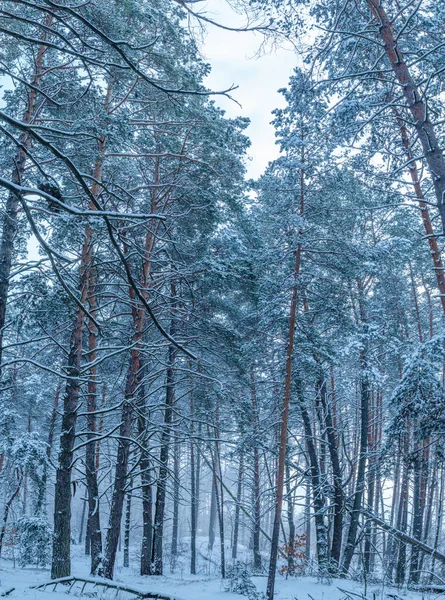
(82, 522)
(61, 561)
(161, 490)
(212, 516)
(319, 503)
(402, 515)
(217, 474)
(338, 500)
(41, 498)
(291, 523)
(363, 452)
(419, 499)
(8, 508)
(284, 422)
(147, 494)
(368, 550)
(308, 523)
(425, 131)
(175, 522)
(120, 476)
(9, 223)
(193, 494)
(256, 478)
(127, 531)
(90, 448)
(439, 518)
(239, 490)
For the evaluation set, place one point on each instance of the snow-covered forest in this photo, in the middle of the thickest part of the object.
(214, 386)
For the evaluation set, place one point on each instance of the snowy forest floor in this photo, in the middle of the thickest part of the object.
(188, 587)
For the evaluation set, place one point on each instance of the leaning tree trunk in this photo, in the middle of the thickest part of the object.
(424, 128)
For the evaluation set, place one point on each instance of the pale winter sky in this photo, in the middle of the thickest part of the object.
(233, 61)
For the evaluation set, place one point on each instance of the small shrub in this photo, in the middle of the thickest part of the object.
(296, 556)
(34, 537)
(238, 581)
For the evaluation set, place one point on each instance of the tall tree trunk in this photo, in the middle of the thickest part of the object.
(161, 490)
(256, 478)
(402, 514)
(7, 508)
(416, 104)
(331, 434)
(61, 560)
(41, 498)
(439, 520)
(307, 516)
(9, 222)
(212, 515)
(175, 521)
(363, 452)
(239, 491)
(127, 529)
(90, 448)
(319, 503)
(421, 466)
(285, 413)
(193, 494)
(368, 549)
(135, 369)
(121, 471)
(219, 498)
(147, 493)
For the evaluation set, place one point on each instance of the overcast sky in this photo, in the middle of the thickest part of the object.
(233, 61)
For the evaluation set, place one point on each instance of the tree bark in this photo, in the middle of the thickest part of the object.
(161, 490)
(127, 529)
(239, 491)
(9, 223)
(256, 478)
(417, 106)
(363, 452)
(283, 433)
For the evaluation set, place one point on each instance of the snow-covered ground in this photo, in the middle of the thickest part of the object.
(188, 587)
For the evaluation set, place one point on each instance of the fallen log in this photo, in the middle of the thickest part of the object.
(404, 536)
(97, 582)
